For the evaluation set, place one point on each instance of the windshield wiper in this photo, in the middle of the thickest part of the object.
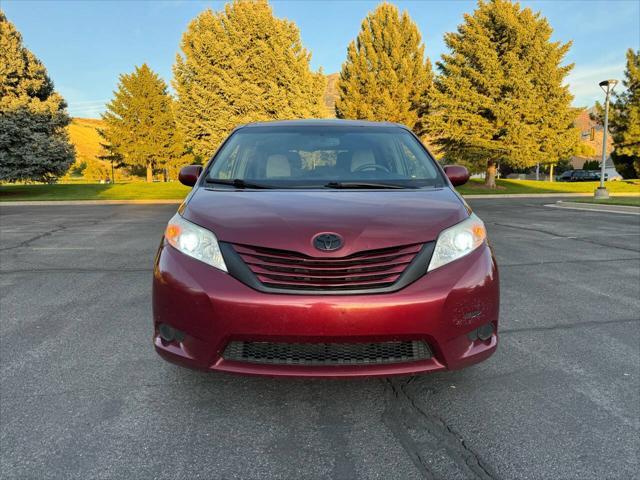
(365, 185)
(236, 182)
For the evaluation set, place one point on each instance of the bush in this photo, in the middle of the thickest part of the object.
(591, 165)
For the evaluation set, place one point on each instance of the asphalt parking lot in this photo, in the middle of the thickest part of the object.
(83, 395)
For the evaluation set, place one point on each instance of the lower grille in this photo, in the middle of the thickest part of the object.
(327, 353)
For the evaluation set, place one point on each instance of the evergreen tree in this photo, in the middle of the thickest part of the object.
(386, 75)
(110, 153)
(241, 65)
(500, 95)
(139, 123)
(34, 144)
(625, 121)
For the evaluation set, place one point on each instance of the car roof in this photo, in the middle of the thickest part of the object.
(322, 122)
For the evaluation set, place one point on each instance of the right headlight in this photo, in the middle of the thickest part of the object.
(195, 241)
(457, 241)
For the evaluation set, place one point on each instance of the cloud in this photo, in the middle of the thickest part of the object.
(89, 102)
(86, 108)
(583, 81)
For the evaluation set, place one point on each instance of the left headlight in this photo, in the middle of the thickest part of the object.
(457, 241)
(195, 241)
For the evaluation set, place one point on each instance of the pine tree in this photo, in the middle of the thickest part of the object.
(625, 120)
(386, 75)
(139, 123)
(500, 96)
(34, 145)
(241, 65)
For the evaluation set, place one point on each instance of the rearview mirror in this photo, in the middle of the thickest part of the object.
(189, 175)
(457, 174)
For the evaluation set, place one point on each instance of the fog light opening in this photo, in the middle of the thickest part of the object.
(485, 331)
(167, 333)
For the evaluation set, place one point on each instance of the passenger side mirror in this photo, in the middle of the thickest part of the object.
(457, 174)
(189, 175)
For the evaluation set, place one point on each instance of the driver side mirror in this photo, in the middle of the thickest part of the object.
(189, 175)
(457, 174)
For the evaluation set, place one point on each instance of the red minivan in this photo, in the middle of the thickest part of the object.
(324, 248)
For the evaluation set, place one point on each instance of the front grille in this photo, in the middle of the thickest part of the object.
(366, 270)
(327, 353)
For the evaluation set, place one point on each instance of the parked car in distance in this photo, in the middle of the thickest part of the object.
(610, 175)
(595, 174)
(324, 248)
(565, 176)
(578, 176)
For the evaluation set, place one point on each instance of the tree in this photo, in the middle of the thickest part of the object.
(96, 170)
(386, 75)
(139, 124)
(34, 145)
(241, 65)
(110, 153)
(625, 121)
(585, 150)
(500, 96)
(591, 165)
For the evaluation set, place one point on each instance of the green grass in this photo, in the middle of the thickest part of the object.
(628, 201)
(176, 191)
(119, 191)
(476, 187)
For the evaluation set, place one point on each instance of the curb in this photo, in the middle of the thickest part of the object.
(592, 207)
(488, 196)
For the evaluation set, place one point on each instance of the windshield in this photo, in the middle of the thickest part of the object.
(331, 157)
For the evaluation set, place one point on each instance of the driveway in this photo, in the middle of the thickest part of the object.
(83, 395)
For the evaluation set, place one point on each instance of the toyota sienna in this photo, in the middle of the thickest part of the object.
(324, 248)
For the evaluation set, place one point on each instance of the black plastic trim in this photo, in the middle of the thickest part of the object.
(240, 271)
(328, 354)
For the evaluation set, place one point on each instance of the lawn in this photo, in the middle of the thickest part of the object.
(476, 187)
(93, 191)
(176, 191)
(627, 201)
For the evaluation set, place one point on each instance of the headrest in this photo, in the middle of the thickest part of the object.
(278, 166)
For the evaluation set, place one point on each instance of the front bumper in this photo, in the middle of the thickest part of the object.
(211, 309)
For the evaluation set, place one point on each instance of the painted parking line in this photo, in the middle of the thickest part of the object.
(585, 208)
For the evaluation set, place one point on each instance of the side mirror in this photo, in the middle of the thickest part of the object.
(457, 174)
(189, 175)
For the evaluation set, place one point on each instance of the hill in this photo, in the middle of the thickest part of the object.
(84, 136)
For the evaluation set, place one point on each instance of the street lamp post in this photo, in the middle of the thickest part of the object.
(607, 86)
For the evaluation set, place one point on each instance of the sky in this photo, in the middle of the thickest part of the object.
(86, 44)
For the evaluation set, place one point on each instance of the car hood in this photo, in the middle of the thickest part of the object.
(289, 220)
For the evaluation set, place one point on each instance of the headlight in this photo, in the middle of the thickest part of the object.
(458, 241)
(195, 241)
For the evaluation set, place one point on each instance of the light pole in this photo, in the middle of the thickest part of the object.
(607, 86)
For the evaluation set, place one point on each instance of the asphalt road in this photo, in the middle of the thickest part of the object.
(84, 396)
